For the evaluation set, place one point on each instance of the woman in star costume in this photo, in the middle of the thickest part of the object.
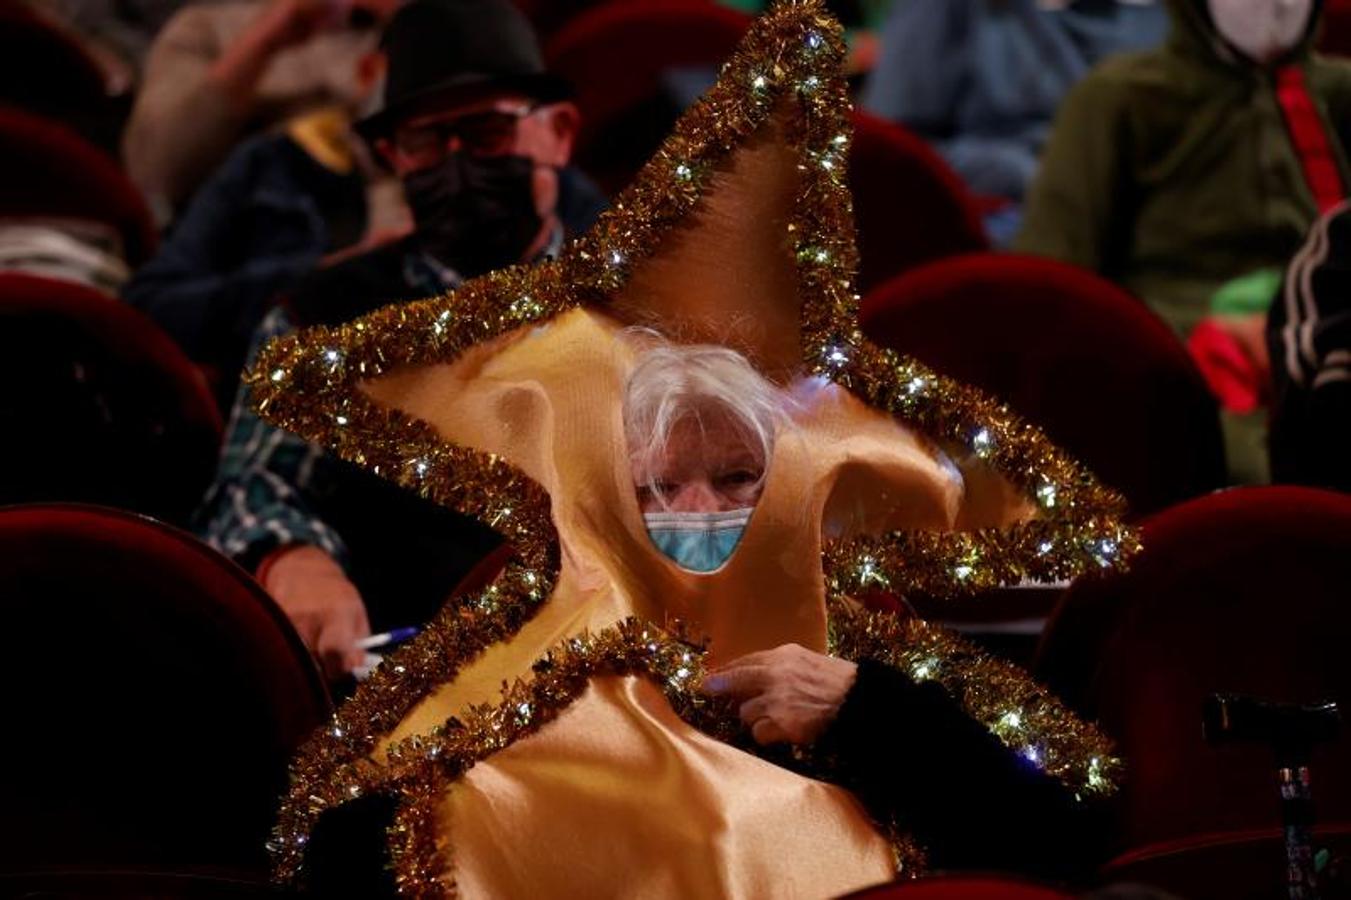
(555, 735)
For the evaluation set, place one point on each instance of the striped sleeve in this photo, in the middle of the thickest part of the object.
(1311, 327)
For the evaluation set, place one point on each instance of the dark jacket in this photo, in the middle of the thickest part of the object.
(273, 489)
(363, 284)
(982, 79)
(1171, 172)
(1309, 336)
(254, 229)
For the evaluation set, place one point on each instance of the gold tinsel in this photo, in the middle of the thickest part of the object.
(334, 765)
(420, 768)
(1023, 715)
(309, 383)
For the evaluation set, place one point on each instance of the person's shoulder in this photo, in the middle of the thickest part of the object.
(580, 200)
(1320, 63)
(261, 166)
(1330, 78)
(380, 262)
(1122, 82)
(1122, 72)
(346, 289)
(258, 153)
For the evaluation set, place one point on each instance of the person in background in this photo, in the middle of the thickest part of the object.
(221, 71)
(280, 204)
(1190, 174)
(1309, 334)
(982, 79)
(480, 136)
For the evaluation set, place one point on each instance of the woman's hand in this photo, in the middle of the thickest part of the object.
(787, 694)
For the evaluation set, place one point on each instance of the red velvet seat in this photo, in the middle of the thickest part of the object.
(962, 887)
(155, 696)
(1072, 353)
(910, 206)
(45, 69)
(548, 16)
(1245, 592)
(1247, 865)
(53, 173)
(616, 54)
(97, 404)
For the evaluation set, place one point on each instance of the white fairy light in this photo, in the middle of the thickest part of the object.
(981, 442)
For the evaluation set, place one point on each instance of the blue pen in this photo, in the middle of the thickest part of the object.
(397, 636)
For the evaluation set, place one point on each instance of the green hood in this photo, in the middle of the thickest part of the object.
(1194, 35)
(1172, 171)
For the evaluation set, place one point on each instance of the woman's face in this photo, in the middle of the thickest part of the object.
(708, 466)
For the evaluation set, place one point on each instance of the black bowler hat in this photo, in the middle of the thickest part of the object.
(446, 51)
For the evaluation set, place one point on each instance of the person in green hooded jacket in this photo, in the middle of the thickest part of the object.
(1174, 172)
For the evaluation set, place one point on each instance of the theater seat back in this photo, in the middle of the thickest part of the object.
(51, 172)
(618, 57)
(1072, 353)
(910, 206)
(155, 696)
(1245, 592)
(98, 405)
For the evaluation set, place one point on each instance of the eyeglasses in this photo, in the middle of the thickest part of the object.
(489, 133)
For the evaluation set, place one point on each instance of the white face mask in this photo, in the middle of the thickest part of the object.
(1262, 30)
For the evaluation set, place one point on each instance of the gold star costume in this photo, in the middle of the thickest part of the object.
(546, 737)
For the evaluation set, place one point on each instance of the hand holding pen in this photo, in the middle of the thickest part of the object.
(386, 639)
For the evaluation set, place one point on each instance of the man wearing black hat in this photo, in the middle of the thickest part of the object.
(480, 136)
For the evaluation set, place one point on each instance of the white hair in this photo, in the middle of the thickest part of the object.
(674, 381)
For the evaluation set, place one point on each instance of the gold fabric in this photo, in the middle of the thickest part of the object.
(620, 798)
(503, 400)
(619, 783)
(550, 403)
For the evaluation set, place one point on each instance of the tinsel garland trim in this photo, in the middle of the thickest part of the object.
(1023, 715)
(309, 383)
(337, 757)
(419, 770)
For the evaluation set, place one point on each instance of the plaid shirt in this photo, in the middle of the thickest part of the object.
(257, 502)
(260, 500)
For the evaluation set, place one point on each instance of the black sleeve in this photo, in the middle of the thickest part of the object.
(348, 853)
(1309, 339)
(910, 753)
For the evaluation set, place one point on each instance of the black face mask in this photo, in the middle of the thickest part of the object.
(475, 214)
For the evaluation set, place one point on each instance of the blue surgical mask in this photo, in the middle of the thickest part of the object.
(698, 541)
